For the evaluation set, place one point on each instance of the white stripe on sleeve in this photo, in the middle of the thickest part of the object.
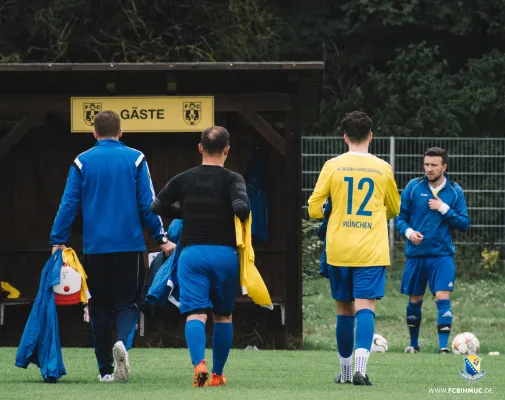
(139, 160)
(78, 163)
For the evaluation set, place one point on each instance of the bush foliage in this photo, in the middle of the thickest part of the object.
(420, 68)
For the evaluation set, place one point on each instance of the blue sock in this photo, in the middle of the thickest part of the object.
(414, 317)
(195, 338)
(364, 329)
(345, 335)
(222, 339)
(444, 322)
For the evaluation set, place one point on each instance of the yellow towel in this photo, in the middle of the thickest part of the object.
(70, 258)
(13, 292)
(251, 281)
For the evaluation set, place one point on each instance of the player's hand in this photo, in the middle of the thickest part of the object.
(168, 248)
(435, 203)
(56, 248)
(416, 238)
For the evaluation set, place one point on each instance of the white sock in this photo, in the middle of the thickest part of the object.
(346, 368)
(361, 360)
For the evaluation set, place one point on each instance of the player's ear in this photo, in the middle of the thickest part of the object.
(370, 137)
(346, 138)
(120, 134)
(226, 150)
(200, 148)
(95, 135)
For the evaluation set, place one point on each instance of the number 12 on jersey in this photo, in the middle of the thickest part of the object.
(350, 192)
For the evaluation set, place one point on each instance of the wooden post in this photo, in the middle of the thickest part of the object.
(293, 220)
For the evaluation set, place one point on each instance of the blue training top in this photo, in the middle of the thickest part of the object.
(436, 228)
(112, 185)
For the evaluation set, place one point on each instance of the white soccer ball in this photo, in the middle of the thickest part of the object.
(379, 344)
(465, 343)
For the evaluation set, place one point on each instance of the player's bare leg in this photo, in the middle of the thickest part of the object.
(365, 321)
(222, 339)
(414, 317)
(345, 340)
(444, 320)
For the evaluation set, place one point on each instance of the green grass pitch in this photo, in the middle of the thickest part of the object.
(478, 306)
(255, 375)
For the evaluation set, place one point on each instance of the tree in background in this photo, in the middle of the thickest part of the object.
(420, 68)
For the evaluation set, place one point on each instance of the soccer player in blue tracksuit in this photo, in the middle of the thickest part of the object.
(431, 208)
(111, 184)
(209, 271)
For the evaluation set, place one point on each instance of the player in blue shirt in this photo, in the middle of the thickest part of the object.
(111, 185)
(431, 208)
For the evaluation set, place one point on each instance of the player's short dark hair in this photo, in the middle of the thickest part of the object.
(437, 152)
(215, 139)
(357, 125)
(107, 124)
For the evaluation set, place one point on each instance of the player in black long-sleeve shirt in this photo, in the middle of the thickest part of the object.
(208, 271)
(209, 196)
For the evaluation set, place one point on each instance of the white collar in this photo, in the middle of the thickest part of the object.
(439, 187)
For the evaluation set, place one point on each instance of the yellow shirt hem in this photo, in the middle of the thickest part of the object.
(343, 264)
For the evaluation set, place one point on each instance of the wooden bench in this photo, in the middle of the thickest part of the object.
(276, 302)
(242, 299)
(5, 302)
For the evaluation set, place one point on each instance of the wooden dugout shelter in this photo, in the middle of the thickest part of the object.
(261, 104)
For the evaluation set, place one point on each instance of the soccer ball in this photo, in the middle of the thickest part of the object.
(379, 344)
(465, 343)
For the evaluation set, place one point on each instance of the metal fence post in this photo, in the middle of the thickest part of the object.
(391, 222)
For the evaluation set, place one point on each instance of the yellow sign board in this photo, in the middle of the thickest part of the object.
(146, 114)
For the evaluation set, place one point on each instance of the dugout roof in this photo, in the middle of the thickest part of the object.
(227, 77)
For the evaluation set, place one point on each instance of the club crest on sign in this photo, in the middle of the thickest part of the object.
(90, 110)
(192, 113)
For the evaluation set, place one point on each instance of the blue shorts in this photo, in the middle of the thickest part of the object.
(439, 272)
(349, 283)
(209, 278)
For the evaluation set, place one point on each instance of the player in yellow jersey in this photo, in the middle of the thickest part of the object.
(364, 196)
